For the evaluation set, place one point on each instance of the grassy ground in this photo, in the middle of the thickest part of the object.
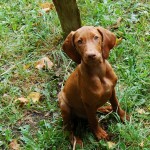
(26, 36)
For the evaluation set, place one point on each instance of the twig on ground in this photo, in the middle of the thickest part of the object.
(74, 143)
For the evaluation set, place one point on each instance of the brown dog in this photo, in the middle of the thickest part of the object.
(92, 83)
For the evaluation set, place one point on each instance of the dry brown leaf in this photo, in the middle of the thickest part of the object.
(27, 66)
(111, 145)
(140, 111)
(23, 100)
(47, 114)
(29, 120)
(142, 144)
(34, 96)
(44, 63)
(5, 95)
(46, 9)
(116, 25)
(14, 145)
(47, 6)
(119, 21)
(118, 41)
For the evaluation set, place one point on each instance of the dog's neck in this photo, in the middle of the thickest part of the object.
(96, 69)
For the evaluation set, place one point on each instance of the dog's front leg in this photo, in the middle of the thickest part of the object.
(116, 107)
(93, 122)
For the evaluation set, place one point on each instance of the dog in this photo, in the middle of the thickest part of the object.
(92, 83)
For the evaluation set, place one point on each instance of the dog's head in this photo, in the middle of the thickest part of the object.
(89, 44)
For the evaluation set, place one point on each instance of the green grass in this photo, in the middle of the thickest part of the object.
(25, 37)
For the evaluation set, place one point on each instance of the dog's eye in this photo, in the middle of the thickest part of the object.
(96, 37)
(79, 41)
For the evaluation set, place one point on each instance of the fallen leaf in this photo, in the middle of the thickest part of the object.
(119, 21)
(5, 95)
(142, 144)
(34, 96)
(23, 100)
(111, 145)
(14, 145)
(140, 111)
(27, 66)
(118, 41)
(116, 25)
(29, 120)
(46, 7)
(44, 63)
(47, 114)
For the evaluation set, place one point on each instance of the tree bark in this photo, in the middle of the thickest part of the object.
(68, 14)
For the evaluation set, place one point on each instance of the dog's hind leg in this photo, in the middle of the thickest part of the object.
(65, 112)
(105, 109)
(68, 118)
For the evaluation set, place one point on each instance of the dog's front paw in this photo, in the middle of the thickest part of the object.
(101, 134)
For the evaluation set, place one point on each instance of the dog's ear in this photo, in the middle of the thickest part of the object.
(108, 41)
(70, 49)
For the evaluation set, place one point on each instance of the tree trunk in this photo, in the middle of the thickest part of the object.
(68, 14)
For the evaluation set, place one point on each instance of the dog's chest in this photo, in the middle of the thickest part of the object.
(99, 89)
(105, 92)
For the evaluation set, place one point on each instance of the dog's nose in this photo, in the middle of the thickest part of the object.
(91, 56)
